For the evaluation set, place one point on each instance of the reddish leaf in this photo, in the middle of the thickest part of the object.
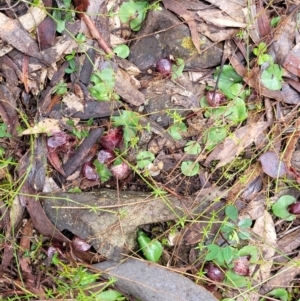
(106, 156)
(54, 160)
(112, 139)
(89, 172)
(294, 208)
(294, 173)
(272, 165)
(58, 139)
(81, 5)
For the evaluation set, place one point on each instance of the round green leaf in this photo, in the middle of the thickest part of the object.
(127, 11)
(249, 250)
(213, 251)
(190, 168)
(275, 21)
(272, 77)
(133, 12)
(237, 111)
(176, 129)
(144, 158)
(227, 254)
(152, 250)
(192, 148)
(141, 8)
(231, 212)
(279, 293)
(214, 136)
(227, 78)
(109, 295)
(245, 223)
(280, 207)
(236, 280)
(122, 51)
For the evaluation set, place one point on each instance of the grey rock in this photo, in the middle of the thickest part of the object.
(113, 224)
(163, 34)
(151, 282)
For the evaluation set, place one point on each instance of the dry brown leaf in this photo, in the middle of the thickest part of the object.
(18, 37)
(264, 228)
(181, 11)
(284, 276)
(273, 165)
(73, 102)
(292, 60)
(216, 34)
(47, 125)
(251, 19)
(263, 21)
(254, 209)
(217, 18)
(234, 145)
(34, 16)
(283, 40)
(233, 8)
(25, 246)
(127, 90)
(46, 32)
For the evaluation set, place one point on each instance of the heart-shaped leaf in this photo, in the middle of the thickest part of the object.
(152, 249)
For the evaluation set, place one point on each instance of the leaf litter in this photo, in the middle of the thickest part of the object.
(223, 132)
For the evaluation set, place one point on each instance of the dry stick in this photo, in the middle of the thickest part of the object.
(96, 34)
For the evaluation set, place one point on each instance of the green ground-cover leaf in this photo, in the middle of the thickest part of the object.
(190, 168)
(134, 13)
(144, 158)
(272, 77)
(152, 249)
(109, 295)
(280, 208)
(214, 136)
(176, 129)
(122, 51)
(192, 148)
(228, 77)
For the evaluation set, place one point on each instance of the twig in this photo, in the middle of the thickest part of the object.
(96, 34)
